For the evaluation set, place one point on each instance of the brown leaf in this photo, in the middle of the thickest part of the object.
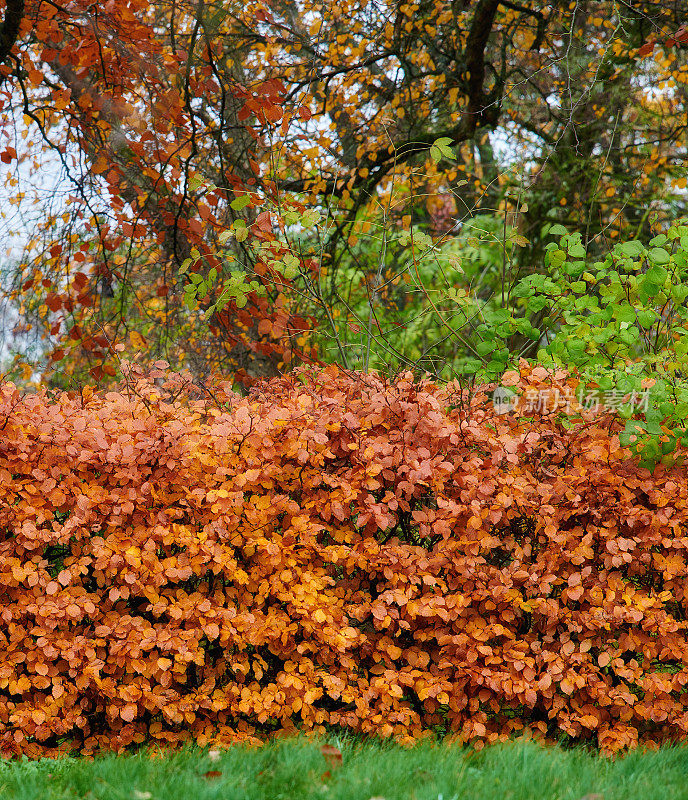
(332, 755)
(212, 773)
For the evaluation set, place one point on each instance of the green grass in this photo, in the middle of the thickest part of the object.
(296, 769)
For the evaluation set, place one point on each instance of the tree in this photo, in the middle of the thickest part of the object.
(587, 100)
(154, 143)
(179, 122)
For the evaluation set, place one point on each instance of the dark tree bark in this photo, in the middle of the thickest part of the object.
(14, 13)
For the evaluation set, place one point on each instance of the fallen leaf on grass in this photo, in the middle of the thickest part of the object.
(333, 755)
(212, 773)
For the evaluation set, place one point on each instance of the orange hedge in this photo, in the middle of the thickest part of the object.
(333, 550)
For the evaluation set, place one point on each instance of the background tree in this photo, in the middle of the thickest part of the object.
(195, 136)
(155, 148)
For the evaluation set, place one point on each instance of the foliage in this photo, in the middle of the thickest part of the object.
(175, 122)
(622, 325)
(618, 323)
(401, 299)
(333, 550)
(141, 107)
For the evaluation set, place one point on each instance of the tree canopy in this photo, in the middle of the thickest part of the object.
(218, 164)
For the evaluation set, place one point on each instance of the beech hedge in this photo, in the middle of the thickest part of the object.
(334, 550)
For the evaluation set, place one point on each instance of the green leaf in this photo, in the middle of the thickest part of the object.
(625, 313)
(310, 218)
(521, 241)
(470, 366)
(679, 293)
(646, 317)
(240, 202)
(557, 230)
(657, 275)
(240, 231)
(632, 249)
(557, 257)
(537, 304)
(659, 255)
(195, 182)
(484, 348)
(440, 148)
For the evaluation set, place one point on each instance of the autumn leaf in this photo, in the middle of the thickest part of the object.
(332, 755)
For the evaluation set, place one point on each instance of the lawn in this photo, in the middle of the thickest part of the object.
(340, 768)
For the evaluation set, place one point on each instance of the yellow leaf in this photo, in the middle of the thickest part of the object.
(137, 340)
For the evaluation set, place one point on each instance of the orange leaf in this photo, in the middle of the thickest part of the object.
(212, 630)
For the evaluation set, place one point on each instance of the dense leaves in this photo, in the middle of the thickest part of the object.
(334, 550)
